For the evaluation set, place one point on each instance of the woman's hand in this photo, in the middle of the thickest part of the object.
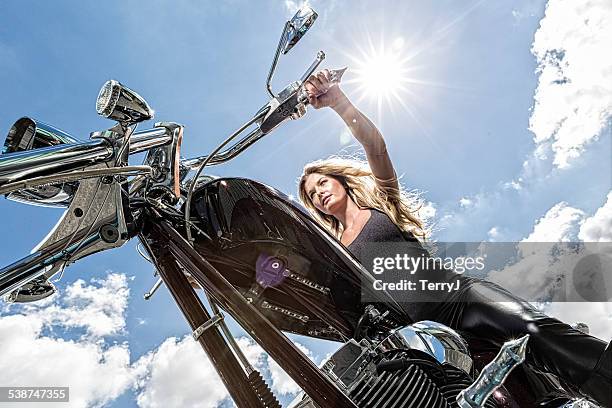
(322, 92)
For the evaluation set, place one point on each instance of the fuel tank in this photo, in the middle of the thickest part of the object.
(282, 261)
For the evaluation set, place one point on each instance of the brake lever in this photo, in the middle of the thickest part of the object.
(335, 76)
(315, 64)
(291, 102)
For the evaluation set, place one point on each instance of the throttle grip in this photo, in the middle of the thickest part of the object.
(335, 77)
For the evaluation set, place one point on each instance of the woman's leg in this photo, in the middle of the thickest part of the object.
(488, 311)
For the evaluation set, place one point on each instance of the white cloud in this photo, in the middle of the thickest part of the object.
(95, 372)
(105, 305)
(427, 211)
(598, 228)
(345, 136)
(573, 100)
(180, 375)
(493, 234)
(514, 184)
(547, 271)
(539, 274)
(177, 373)
(534, 276)
(293, 6)
(98, 307)
(465, 202)
(559, 224)
(281, 382)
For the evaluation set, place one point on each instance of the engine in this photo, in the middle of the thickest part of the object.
(422, 365)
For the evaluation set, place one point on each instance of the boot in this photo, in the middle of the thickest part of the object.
(599, 383)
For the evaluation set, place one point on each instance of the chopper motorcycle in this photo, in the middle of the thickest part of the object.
(258, 255)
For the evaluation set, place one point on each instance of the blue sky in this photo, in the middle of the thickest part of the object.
(506, 140)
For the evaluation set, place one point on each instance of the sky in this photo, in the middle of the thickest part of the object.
(499, 115)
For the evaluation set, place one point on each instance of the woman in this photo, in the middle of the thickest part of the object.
(361, 204)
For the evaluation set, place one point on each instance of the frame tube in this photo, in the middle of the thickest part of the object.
(303, 371)
(231, 372)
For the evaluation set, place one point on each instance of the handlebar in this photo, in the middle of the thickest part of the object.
(68, 168)
(40, 164)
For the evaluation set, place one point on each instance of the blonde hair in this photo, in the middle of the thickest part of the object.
(359, 182)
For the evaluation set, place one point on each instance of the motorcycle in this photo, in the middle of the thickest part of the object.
(258, 255)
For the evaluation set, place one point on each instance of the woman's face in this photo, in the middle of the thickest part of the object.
(326, 193)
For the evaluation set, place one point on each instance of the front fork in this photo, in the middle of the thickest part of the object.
(168, 248)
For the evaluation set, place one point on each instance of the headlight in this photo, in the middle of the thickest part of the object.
(118, 102)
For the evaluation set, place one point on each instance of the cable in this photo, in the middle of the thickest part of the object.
(205, 162)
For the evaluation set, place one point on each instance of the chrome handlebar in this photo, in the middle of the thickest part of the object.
(98, 160)
(21, 166)
(42, 165)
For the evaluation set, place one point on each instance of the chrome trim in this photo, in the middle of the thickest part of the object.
(74, 176)
(56, 195)
(440, 341)
(28, 133)
(511, 354)
(148, 139)
(306, 282)
(315, 64)
(165, 160)
(118, 102)
(275, 60)
(293, 31)
(282, 310)
(301, 22)
(580, 403)
(46, 261)
(46, 161)
(93, 222)
(33, 291)
(206, 325)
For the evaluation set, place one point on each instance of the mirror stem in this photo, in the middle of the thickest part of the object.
(273, 67)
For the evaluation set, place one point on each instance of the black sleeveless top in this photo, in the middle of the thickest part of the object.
(379, 228)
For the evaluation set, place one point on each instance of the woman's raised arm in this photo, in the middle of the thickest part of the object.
(322, 93)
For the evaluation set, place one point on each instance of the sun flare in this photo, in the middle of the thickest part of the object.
(380, 74)
(388, 74)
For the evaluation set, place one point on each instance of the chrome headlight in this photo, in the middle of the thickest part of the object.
(118, 102)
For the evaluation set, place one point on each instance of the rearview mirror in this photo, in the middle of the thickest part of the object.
(292, 32)
(298, 26)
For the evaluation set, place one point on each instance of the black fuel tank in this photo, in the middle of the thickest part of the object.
(281, 260)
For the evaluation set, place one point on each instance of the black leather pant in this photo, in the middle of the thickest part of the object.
(553, 346)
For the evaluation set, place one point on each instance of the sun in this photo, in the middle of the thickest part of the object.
(381, 74)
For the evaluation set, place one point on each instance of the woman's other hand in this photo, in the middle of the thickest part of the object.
(322, 92)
